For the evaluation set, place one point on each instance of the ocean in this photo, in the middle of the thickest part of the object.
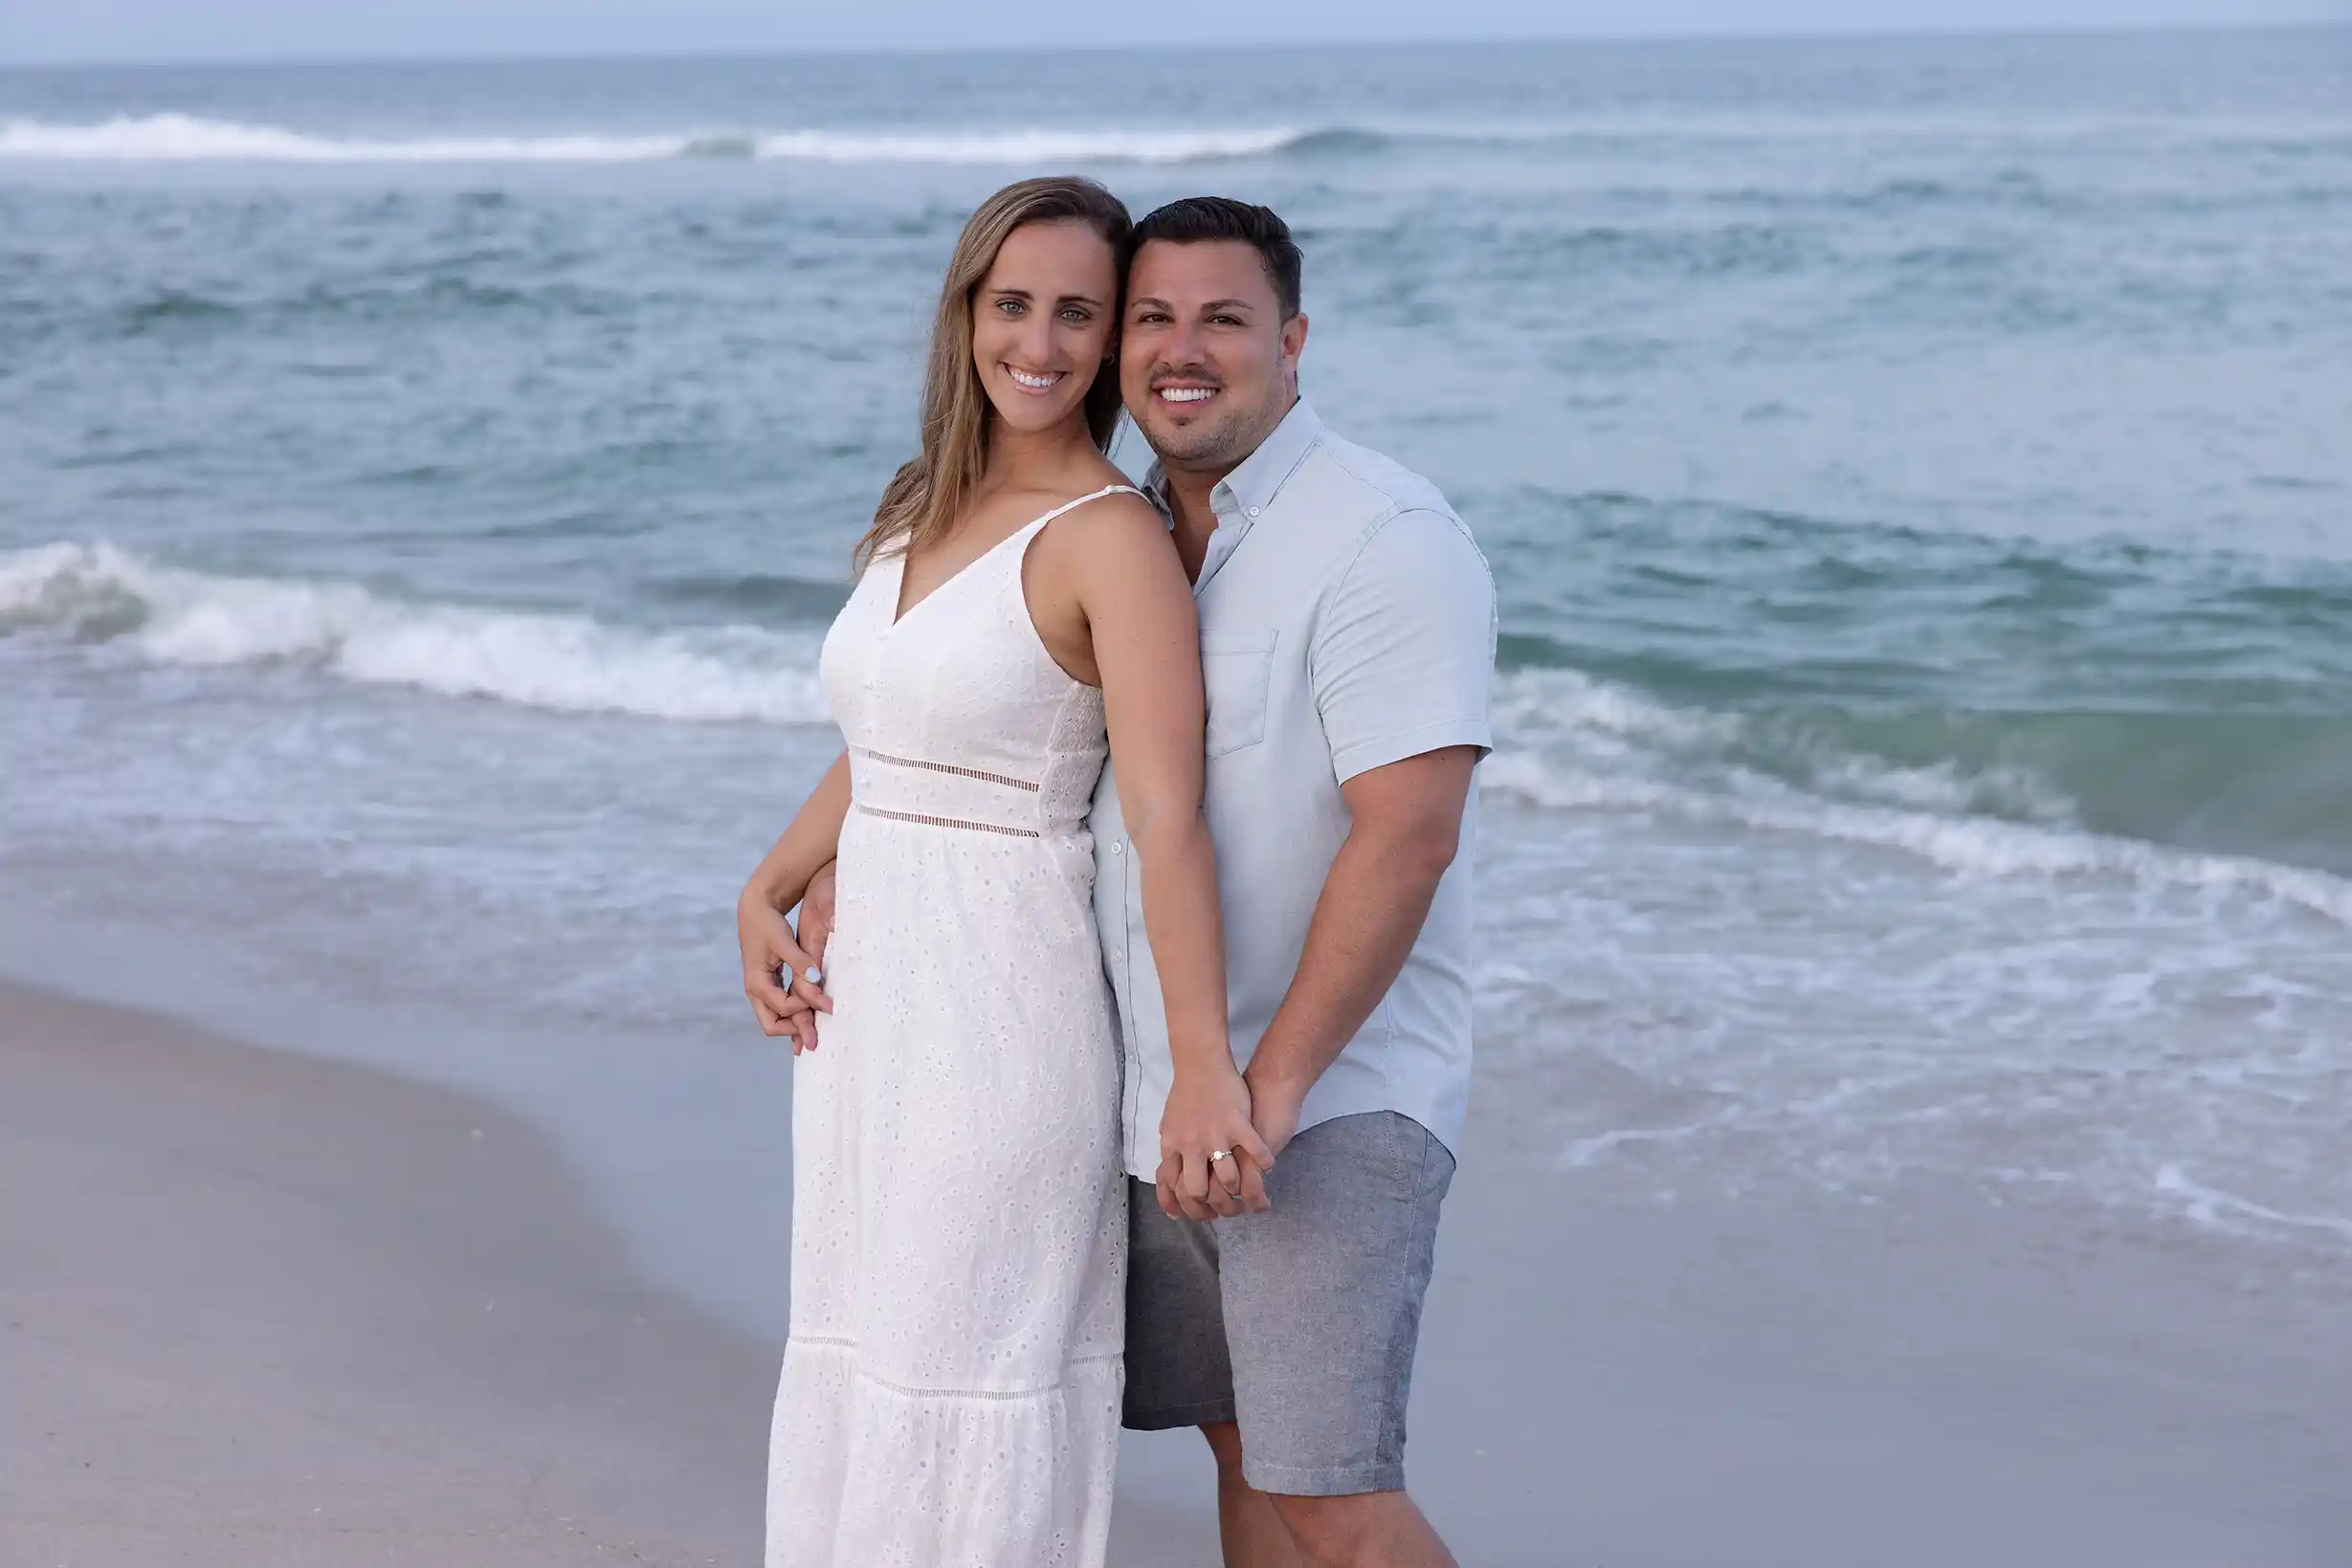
(1919, 474)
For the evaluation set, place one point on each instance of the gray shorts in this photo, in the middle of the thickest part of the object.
(1300, 1323)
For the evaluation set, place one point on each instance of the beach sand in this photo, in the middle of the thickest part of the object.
(265, 1310)
(260, 1310)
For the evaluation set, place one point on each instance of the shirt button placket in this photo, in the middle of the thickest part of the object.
(1119, 851)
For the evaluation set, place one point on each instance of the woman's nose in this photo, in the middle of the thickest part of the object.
(1037, 337)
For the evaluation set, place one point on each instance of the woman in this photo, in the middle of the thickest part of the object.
(951, 1386)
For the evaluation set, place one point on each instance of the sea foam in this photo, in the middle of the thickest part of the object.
(178, 138)
(183, 138)
(1965, 845)
(98, 593)
(1566, 741)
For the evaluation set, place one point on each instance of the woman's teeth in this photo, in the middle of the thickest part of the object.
(1187, 395)
(1036, 383)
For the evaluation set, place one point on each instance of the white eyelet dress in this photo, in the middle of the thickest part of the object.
(951, 1386)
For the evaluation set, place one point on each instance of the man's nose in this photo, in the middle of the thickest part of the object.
(1180, 346)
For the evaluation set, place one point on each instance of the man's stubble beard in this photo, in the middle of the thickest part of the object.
(1224, 445)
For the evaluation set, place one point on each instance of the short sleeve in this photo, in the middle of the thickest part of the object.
(1403, 656)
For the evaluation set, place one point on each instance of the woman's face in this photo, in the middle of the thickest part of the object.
(1042, 322)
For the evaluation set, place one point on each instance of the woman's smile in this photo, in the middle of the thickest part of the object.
(1033, 381)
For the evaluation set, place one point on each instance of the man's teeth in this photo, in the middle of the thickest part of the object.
(1187, 395)
(1036, 383)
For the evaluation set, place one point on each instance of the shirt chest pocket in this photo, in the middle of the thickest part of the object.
(1237, 671)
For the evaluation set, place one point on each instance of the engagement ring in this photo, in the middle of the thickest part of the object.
(1215, 1155)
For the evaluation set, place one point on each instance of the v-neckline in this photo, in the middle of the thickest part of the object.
(900, 609)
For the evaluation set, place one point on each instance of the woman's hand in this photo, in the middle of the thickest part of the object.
(780, 979)
(1209, 1114)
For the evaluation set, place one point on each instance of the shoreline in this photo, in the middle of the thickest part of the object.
(269, 1309)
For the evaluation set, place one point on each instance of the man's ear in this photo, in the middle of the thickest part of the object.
(1293, 341)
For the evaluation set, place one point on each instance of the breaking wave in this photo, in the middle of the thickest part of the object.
(100, 594)
(1566, 741)
(177, 137)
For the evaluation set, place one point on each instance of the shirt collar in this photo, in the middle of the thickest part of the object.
(1252, 485)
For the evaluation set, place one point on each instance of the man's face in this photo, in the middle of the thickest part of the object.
(1208, 366)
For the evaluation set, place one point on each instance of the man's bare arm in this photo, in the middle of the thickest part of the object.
(1405, 829)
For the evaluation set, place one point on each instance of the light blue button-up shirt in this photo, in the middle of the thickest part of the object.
(1347, 621)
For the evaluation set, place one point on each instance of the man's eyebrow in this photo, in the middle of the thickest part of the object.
(1214, 304)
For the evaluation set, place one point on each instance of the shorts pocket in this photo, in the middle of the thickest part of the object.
(1237, 672)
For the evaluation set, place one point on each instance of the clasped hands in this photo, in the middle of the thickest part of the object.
(1218, 1138)
(782, 968)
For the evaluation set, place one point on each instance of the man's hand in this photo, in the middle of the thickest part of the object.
(781, 970)
(1209, 1114)
(816, 912)
(807, 996)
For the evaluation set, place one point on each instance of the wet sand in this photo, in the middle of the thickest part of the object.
(266, 1310)
(261, 1310)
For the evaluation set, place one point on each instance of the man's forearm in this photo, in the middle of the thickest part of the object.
(1371, 913)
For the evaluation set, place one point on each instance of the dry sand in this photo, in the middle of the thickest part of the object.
(258, 1309)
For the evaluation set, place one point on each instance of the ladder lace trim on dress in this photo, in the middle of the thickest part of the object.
(984, 777)
(946, 822)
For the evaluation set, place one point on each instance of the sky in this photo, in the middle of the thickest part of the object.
(38, 32)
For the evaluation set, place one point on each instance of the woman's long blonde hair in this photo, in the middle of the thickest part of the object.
(923, 501)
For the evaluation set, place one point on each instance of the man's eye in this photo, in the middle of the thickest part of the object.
(1224, 320)
(1151, 318)
(1075, 316)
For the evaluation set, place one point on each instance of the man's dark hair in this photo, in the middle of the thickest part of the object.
(1199, 219)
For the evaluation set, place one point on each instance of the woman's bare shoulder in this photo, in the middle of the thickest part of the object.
(1118, 523)
(1109, 544)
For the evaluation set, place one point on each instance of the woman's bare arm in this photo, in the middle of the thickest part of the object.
(775, 885)
(1145, 640)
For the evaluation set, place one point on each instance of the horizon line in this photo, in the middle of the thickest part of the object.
(1874, 34)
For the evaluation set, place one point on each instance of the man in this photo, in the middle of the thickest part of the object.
(1347, 639)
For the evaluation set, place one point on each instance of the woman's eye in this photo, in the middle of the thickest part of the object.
(1075, 316)
(1011, 307)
